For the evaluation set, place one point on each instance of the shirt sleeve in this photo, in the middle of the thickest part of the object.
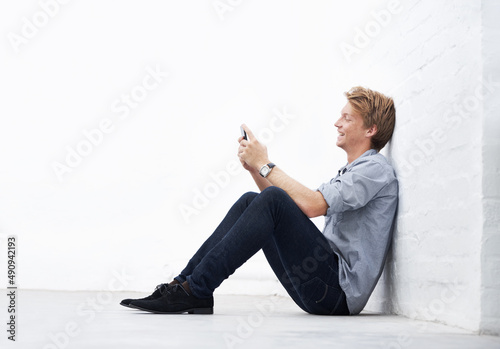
(355, 188)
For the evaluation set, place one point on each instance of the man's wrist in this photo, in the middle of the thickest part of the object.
(262, 163)
(266, 169)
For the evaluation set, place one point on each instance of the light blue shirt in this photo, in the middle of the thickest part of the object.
(362, 202)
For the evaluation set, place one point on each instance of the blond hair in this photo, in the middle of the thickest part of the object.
(375, 109)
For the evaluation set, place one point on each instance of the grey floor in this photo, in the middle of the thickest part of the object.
(49, 320)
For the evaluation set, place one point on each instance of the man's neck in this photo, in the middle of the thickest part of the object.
(353, 155)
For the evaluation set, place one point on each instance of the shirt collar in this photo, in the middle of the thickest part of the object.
(348, 166)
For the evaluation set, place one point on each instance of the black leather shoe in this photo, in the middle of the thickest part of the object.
(176, 301)
(159, 291)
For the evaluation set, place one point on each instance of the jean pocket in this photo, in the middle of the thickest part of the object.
(314, 290)
(319, 297)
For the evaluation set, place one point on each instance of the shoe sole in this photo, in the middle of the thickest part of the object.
(196, 311)
(128, 305)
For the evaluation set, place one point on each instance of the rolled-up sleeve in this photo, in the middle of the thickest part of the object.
(355, 188)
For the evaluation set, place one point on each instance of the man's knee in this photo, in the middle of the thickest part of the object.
(269, 194)
(275, 192)
(248, 197)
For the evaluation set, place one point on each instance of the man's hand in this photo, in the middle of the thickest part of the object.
(245, 166)
(252, 153)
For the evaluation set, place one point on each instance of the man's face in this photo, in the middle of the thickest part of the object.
(351, 130)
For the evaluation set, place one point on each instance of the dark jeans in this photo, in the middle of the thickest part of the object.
(297, 251)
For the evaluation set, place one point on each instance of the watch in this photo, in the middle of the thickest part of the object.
(266, 169)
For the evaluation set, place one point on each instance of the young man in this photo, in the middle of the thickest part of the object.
(331, 272)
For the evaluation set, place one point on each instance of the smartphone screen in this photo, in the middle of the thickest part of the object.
(243, 133)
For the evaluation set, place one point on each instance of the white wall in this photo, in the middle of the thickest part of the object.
(437, 242)
(444, 262)
(490, 257)
(195, 74)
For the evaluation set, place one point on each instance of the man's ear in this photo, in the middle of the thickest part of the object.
(372, 131)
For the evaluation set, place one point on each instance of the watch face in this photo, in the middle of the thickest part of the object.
(265, 171)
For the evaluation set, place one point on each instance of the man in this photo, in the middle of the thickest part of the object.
(331, 272)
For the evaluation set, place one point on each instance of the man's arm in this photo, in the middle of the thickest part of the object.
(309, 201)
(253, 156)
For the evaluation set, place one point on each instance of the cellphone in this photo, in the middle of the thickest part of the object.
(243, 133)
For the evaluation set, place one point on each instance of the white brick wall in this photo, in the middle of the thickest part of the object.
(490, 257)
(444, 262)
